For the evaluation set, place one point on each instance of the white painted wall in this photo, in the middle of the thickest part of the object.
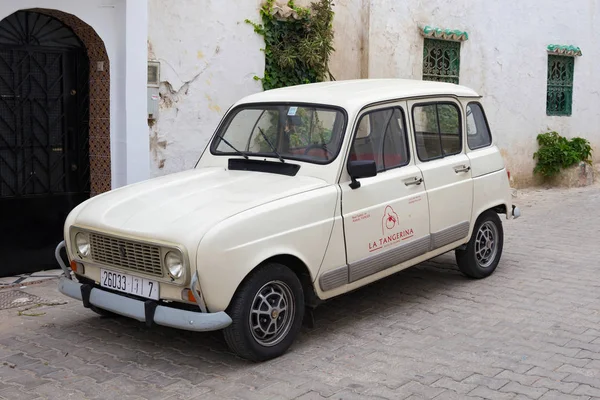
(136, 100)
(209, 55)
(351, 29)
(122, 25)
(208, 58)
(505, 60)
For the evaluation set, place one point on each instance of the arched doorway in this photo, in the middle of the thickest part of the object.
(44, 136)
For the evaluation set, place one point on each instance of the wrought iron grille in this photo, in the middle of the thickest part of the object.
(559, 99)
(44, 108)
(441, 60)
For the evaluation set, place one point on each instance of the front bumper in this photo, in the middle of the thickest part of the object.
(144, 311)
(148, 311)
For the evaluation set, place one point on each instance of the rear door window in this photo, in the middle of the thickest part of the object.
(437, 129)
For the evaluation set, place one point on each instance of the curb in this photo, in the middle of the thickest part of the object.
(23, 284)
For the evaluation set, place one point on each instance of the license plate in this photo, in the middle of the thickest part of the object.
(129, 284)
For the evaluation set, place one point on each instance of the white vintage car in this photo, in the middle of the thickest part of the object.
(303, 194)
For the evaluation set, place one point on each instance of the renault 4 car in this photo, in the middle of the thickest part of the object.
(302, 194)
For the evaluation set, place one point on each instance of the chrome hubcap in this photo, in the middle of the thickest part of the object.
(486, 244)
(272, 313)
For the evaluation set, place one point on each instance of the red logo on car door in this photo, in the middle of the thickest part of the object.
(390, 220)
(391, 231)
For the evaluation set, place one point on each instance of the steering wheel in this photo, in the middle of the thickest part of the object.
(320, 147)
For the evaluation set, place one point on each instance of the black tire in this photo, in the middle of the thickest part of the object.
(279, 285)
(482, 255)
(103, 313)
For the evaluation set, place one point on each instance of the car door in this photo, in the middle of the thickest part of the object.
(386, 221)
(438, 138)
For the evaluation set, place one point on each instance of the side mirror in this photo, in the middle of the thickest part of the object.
(361, 169)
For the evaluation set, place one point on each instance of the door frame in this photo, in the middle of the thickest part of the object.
(451, 235)
(357, 273)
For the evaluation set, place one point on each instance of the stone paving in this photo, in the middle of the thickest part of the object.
(28, 278)
(530, 331)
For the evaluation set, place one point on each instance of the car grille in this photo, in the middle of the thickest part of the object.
(126, 254)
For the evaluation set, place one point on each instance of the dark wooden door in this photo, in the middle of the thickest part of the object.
(44, 131)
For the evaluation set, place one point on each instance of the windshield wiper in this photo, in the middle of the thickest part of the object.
(269, 143)
(234, 149)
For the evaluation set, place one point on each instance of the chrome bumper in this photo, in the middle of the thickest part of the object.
(148, 311)
(144, 311)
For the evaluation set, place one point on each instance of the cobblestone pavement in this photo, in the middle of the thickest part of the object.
(29, 278)
(530, 331)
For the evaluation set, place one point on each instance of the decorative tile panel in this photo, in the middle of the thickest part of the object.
(443, 34)
(564, 50)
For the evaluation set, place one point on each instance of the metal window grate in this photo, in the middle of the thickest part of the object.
(126, 254)
(441, 60)
(559, 99)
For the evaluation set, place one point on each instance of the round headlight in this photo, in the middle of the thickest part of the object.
(83, 245)
(174, 264)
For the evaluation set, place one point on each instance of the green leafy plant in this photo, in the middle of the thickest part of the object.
(557, 152)
(298, 43)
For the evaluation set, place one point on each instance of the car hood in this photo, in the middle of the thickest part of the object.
(183, 206)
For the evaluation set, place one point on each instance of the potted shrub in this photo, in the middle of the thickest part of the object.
(562, 161)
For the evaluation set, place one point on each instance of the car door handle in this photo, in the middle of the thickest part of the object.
(414, 181)
(462, 168)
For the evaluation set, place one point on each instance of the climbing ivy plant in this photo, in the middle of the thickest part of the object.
(298, 43)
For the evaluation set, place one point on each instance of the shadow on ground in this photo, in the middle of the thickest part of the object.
(395, 298)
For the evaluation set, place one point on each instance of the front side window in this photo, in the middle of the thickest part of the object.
(298, 132)
(478, 131)
(381, 137)
(559, 97)
(437, 130)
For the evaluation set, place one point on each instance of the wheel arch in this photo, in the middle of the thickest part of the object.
(298, 267)
(499, 207)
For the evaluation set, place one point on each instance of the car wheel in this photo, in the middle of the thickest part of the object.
(267, 312)
(483, 252)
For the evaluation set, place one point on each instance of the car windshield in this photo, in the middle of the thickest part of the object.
(298, 132)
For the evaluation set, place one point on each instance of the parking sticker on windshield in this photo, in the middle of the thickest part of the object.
(292, 111)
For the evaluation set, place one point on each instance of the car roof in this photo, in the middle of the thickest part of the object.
(359, 92)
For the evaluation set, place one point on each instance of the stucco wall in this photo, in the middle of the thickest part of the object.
(209, 55)
(351, 28)
(505, 60)
(208, 58)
